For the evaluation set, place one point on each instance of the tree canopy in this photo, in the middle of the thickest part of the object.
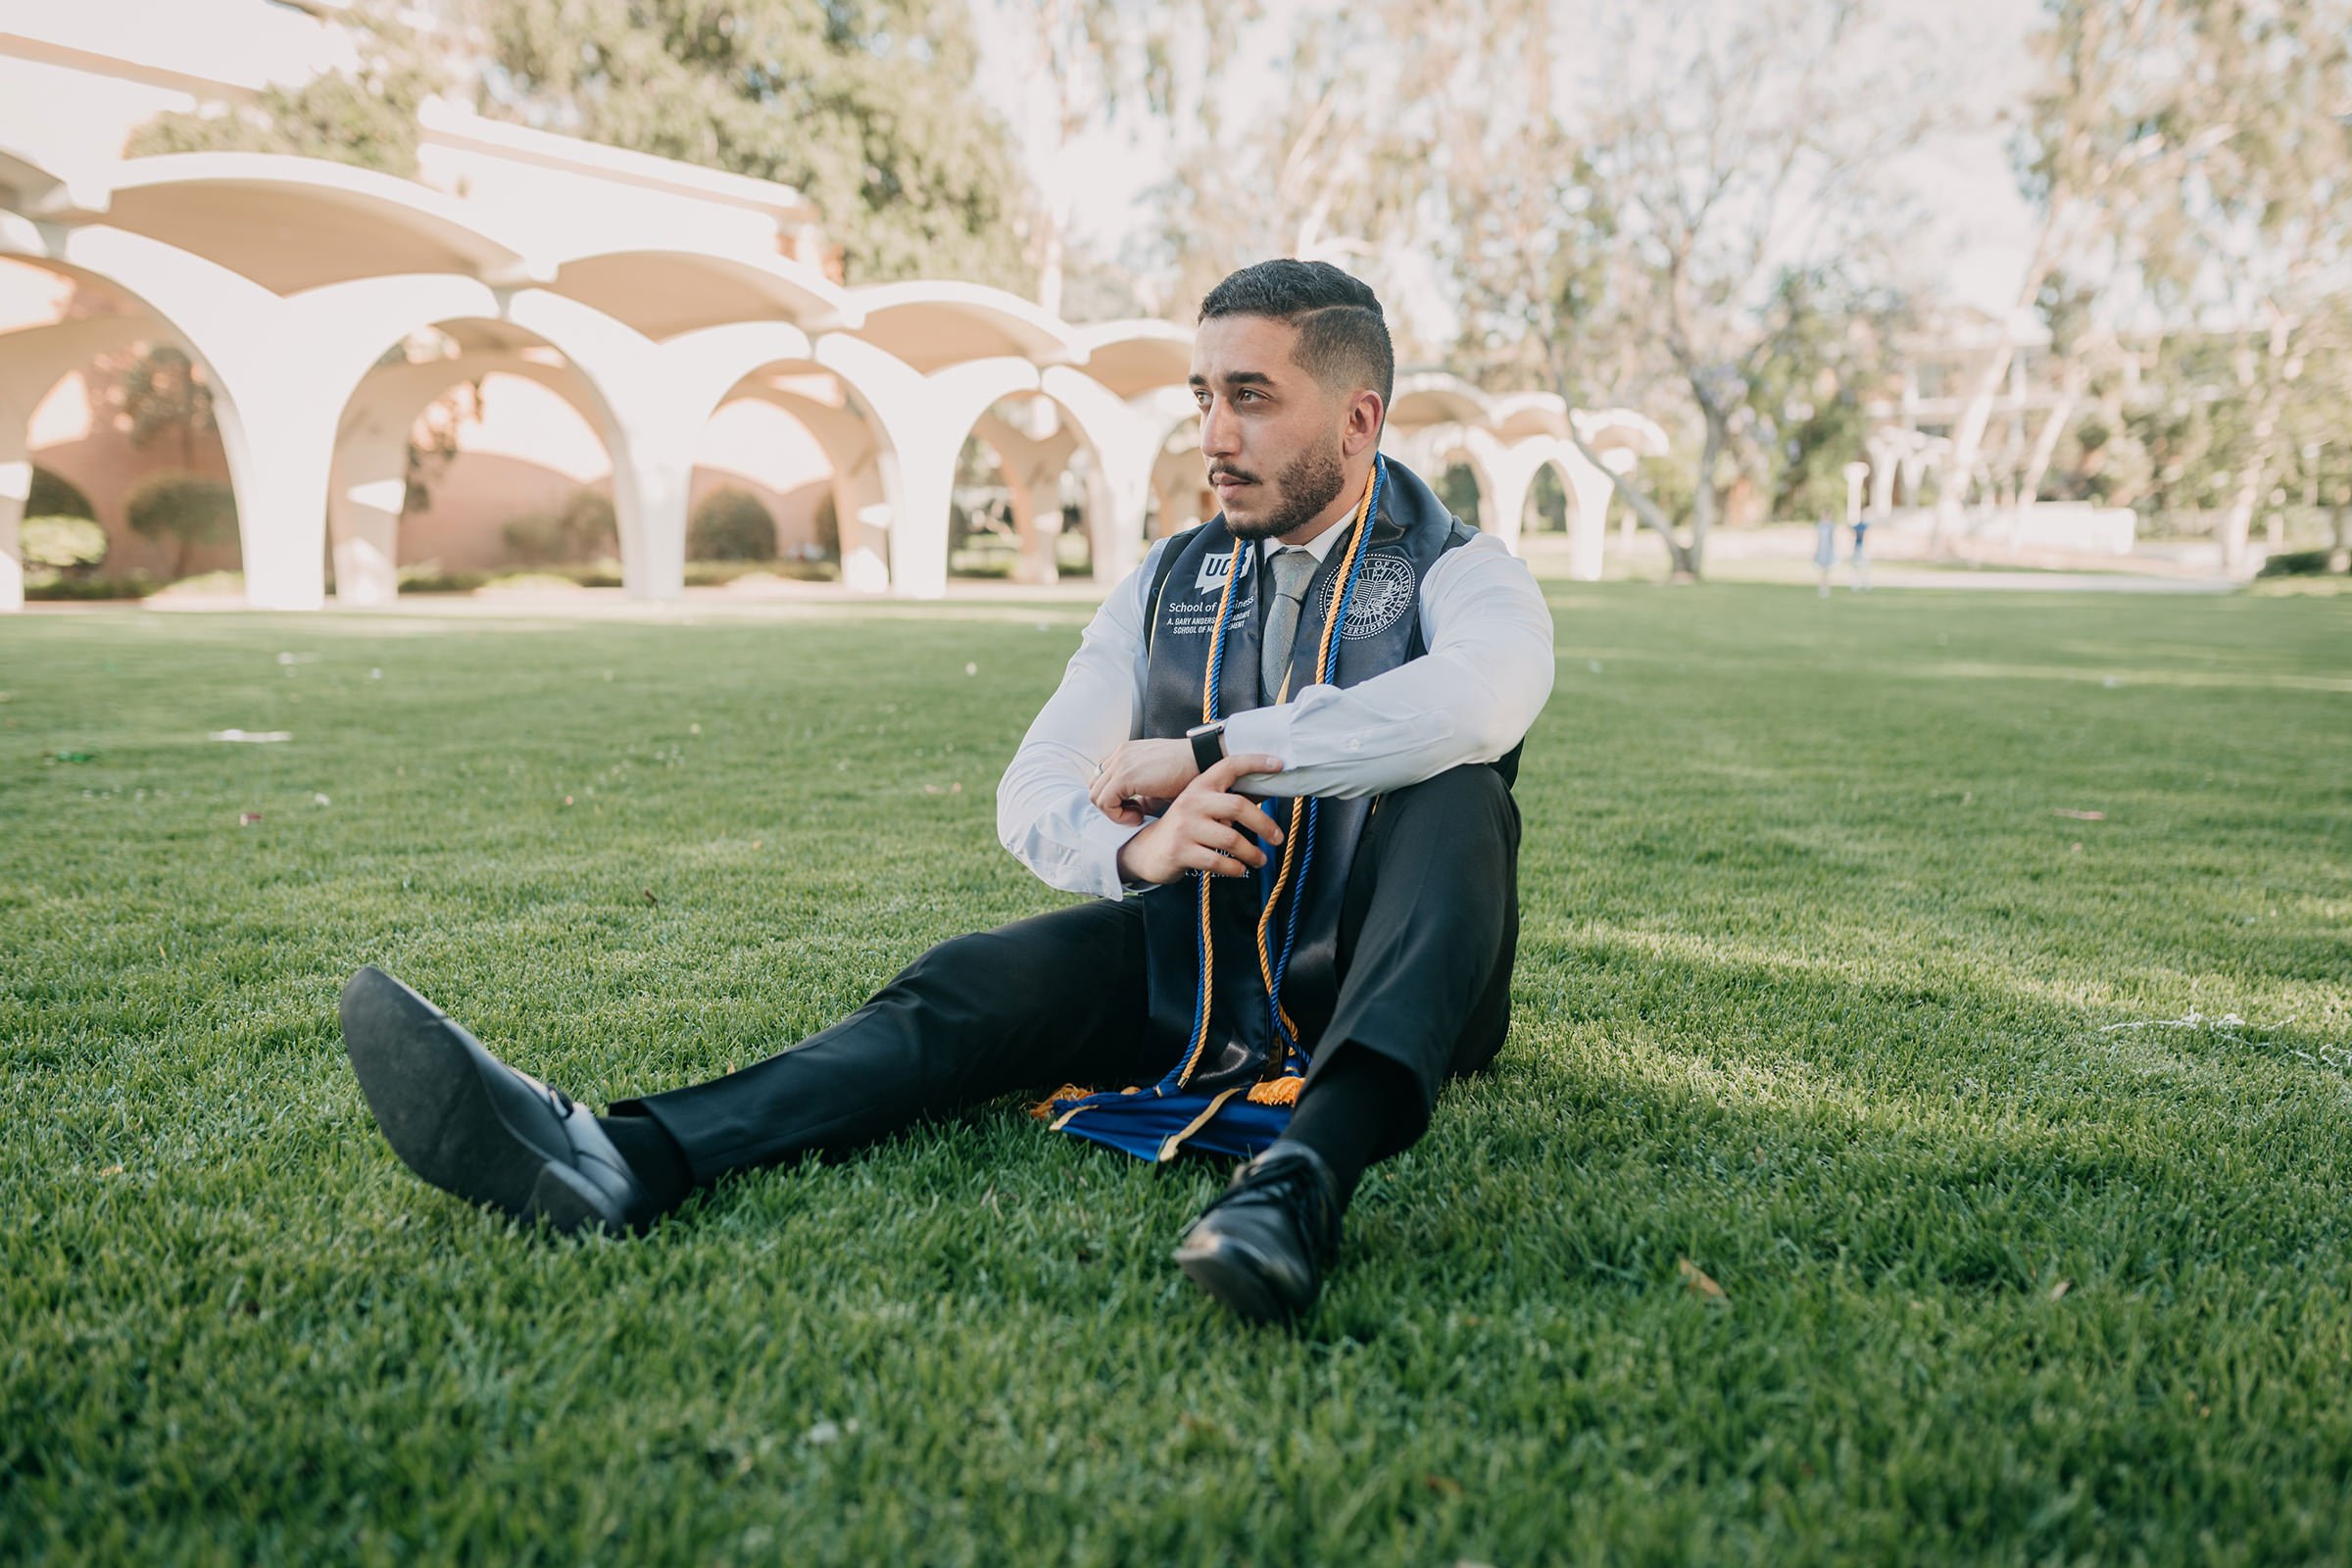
(869, 107)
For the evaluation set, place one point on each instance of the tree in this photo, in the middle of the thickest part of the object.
(1635, 238)
(584, 528)
(731, 524)
(366, 117)
(866, 106)
(184, 510)
(1088, 65)
(62, 546)
(1828, 350)
(1334, 170)
(164, 394)
(2111, 126)
(443, 420)
(53, 495)
(2277, 75)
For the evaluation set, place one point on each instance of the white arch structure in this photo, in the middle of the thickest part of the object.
(288, 279)
(1506, 440)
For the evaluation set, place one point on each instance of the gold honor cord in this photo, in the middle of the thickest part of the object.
(1290, 838)
(1209, 715)
(1281, 1091)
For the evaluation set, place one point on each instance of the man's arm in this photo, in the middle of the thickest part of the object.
(1471, 699)
(1043, 816)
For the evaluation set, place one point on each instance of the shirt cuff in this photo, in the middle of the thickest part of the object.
(1104, 840)
(1261, 729)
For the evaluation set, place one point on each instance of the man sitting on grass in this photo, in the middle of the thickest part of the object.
(1281, 760)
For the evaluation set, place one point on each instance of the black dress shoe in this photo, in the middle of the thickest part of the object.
(1262, 1247)
(471, 1125)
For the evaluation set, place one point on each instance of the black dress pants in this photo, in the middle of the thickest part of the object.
(1428, 931)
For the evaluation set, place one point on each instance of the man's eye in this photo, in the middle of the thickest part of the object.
(1245, 395)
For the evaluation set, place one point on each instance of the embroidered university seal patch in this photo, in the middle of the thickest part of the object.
(1384, 591)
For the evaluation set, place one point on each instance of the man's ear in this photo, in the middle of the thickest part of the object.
(1365, 411)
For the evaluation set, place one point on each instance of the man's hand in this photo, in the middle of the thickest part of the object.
(1207, 827)
(1142, 777)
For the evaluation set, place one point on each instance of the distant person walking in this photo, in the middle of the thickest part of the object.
(1825, 549)
(1861, 584)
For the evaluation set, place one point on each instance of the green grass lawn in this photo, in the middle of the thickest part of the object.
(1822, 990)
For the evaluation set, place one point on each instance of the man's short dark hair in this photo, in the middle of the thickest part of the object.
(1343, 336)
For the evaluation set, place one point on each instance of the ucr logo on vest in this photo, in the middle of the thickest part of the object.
(1384, 591)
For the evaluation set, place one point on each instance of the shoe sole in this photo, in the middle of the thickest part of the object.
(424, 1077)
(1235, 1274)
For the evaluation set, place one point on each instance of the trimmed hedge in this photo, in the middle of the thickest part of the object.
(54, 495)
(54, 588)
(2297, 563)
(185, 509)
(68, 544)
(583, 530)
(731, 525)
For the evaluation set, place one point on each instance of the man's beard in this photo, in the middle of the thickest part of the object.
(1312, 481)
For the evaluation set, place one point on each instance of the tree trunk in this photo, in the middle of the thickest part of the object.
(1968, 437)
(2037, 461)
(2238, 524)
(1051, 265)
(1706, 497)
(1638, 502)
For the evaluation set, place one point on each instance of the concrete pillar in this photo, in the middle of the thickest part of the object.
(652, 482)
(1509, 472)
(16, 483)
(367, 491)
(924, 419)
(281, 370)
(367, 480)
(1126, 436)
(1505, 498)
(32, 362)
(1588, 486)
(1883, 452)
(855, 450)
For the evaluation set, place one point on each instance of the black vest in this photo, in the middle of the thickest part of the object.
(1218, 948)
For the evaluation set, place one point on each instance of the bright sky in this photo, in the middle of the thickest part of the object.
(1972, 227)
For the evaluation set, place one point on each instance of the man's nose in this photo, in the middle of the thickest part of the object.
(1220, 431)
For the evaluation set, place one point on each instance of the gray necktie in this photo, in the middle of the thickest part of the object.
(1293, 571)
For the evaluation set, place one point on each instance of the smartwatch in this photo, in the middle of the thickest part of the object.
(1208, 745)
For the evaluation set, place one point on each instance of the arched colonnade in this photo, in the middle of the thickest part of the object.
(1439, 422)
(299, 286)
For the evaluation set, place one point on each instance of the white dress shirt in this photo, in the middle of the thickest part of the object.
(1470, 699)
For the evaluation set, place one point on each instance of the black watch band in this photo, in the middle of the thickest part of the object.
(1208, 745)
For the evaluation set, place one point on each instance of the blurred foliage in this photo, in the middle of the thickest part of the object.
(182, 510)
(1547, 499)
(583, 529)
(163, 393)
(62, 544)
(55, 496)
(367, 118)
(2303, 563)
(731, 524)
(827, 528)
(1828, 350)
(429, 456)
(1457, 488)
(868, 107)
